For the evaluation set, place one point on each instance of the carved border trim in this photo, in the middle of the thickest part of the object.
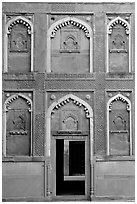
(61, 23)
(6, 106)
(109, 103)
(126, 25)
(8, 28)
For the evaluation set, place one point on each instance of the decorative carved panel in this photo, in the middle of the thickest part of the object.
(70, 40)
(70, 120)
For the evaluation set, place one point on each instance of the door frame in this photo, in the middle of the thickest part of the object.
(87, 164)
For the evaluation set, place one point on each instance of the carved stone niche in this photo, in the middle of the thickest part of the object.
(18, 128)
(19, 47)
(70, 48)
(118, 45)
(119, 128)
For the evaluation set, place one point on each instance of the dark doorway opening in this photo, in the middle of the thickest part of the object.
(74, 185)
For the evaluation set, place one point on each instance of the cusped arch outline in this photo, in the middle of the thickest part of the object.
(70, 20)
(61, 23)
(7, 103)
(123, 99)
(8, 28)
(127, 27)
(22, 20)
(118, 20)
(48, 121)
(14, 97)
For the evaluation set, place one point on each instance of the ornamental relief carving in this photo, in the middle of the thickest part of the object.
(118, 42)
(120, 123)
(70, 40)
(19, 42)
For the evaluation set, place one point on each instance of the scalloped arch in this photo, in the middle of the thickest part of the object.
(19, 18)
(71, 20)
(73, 97)
(119, 96)
(15, 97)
(117, 20)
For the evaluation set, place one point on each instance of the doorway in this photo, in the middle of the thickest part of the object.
(71, 167)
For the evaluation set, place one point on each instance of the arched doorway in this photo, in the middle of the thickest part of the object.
(69, 147)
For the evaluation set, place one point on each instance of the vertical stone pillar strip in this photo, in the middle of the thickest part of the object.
(131, 145)
(31, 136)
(5, 49)
(108, 129)
(107, 52)
(91, 157)
(4, 132)
(48, 190)
(91, 54)
(48, 53)
(129, 40)
(32, 47)
(48, 128)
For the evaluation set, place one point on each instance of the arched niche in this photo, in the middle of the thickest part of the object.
(60, 103)
(118, 46)
(18, 55)
(68, 41)
(119, 129)
(17, 137)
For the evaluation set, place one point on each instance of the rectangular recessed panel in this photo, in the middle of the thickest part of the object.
(115, 179)
(23, 179)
